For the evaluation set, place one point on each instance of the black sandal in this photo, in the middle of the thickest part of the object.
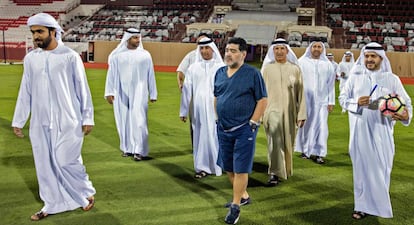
(38, 216)
(359, 215)
(273, 181)
(200, 175)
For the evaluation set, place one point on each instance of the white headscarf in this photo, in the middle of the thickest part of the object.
(308, 52)
(122, 46)
(46, 20)
(270, 56)
(346, 54)
(205, 41)
(379, 50)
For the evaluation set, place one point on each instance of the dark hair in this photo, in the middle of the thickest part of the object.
(238, 41)
(51, 29)
(204, 34)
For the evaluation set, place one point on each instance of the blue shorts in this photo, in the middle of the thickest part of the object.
(236, 149)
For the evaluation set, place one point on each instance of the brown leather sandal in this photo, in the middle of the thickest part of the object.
(38, 216)
(91, 204)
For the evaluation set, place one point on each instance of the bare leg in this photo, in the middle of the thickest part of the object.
(239, 182)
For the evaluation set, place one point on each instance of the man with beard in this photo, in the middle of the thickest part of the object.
(55, 91)
(286, 108)
(319, 83)
(371, 139)
(240, 100)
(198, 86)
(130, 81)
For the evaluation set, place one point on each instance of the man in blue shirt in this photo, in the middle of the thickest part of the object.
(240, 100)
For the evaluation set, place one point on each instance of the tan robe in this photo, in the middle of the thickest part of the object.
(286, 105)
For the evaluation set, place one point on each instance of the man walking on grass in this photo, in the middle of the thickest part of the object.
(240, 99)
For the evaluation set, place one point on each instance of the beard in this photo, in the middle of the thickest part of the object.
(44, 43)
(371, 66)
(230, 63)
(316, 54)
(233, 64)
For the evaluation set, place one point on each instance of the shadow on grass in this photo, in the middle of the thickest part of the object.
(339, 214)
(184, 178)
(199, 187)
(168, 143)
(163, 152)
(68, 218)
(260, 167)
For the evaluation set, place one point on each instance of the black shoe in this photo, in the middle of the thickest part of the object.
(137, 157)
(303, 156)
(233, 215)
(243, 201)
(319, 160)
(127, 154)
(273, 181)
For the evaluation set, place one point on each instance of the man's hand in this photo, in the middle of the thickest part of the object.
(86, 129)
(300, 123)
(110, 99)
(330, 108)
(363, 101)
(401, 116)
(180, 80)
(18, 132)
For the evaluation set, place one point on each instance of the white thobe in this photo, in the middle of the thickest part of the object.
(319, 85)
(199, 85)
(335, 66)
(55, 93)
(188, 59)
(371, 143)
(131, 80)
(344, 67)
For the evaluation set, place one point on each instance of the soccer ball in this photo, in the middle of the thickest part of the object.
(391, 104)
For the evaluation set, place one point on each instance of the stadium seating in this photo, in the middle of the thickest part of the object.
(158, 22)
(374, 20)
(389, 22)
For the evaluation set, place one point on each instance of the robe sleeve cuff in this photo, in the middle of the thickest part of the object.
(88, 122)
(109, 94)
(18, 125)
(353, 107)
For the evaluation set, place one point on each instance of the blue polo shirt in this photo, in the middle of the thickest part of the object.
(237, 96)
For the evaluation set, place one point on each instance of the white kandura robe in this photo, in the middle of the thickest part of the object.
(344, 67)
(187, 61)
(371, 143)
(131, 80)
(319, 85)
(55, 93)
(199, 85)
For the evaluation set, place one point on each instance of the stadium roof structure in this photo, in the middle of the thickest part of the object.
(256, 34)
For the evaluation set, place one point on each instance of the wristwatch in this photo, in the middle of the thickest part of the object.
(254, 125)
